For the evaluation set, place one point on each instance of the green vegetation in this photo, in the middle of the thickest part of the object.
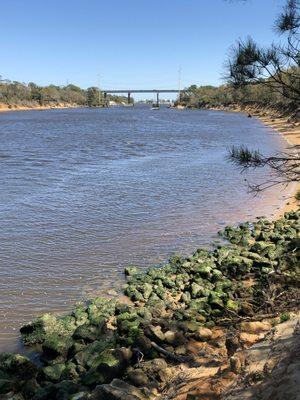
(284, 317)
(29, 95)
(103, 340)
(254, 74)
(227, 95)
(297, 195)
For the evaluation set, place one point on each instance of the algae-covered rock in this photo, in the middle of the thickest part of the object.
(53, 373)
(100, 310)
(88, 333)
(17, 374)
(262, 247)
(232, 305)
(56, 345)
(80, 314)
(17, 365)
(86, 356)
(107, 365)
(130, 271)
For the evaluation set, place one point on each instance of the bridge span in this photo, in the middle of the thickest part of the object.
(130, 91)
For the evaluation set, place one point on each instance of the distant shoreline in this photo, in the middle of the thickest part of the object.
(5, 108)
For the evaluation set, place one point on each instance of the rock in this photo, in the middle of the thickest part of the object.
(181, 350)
(143, 344)
(7, 384)
(204, 333)
(195, 289)
(118, 390)
(232, 344)
(79, 396)
(107, 365)
(88, 333)
(86, 356)
(236, 364)
(70, 372)
(255, 326)
(18, 366)
(45, 326)
(100, 310)
(156, 369)
(131, 271)
(190, 326)
(232, 305)
(174, 338)
(262, 247)
(156, 333)
(146, 290)
(216, 301)
(56, 345)
(138, 377)
(53, 373)
(248, 339)
(80, 314)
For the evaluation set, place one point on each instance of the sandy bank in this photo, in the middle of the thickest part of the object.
(288, 127)
(5, 107)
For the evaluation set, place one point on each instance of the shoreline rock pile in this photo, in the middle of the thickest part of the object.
(106, 349)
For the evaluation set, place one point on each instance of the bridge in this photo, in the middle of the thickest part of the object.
(130, 91)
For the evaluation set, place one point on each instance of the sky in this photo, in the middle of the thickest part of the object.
(140, 44)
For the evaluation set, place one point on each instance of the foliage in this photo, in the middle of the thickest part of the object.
(285, 167)
(13, 93)
(276, 66)
(284, 317)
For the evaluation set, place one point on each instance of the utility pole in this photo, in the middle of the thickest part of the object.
(99, 93)
(179, 85)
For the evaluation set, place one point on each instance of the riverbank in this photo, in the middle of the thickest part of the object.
(289, 128)
(287, 124)
(5, 107)
(186, 326)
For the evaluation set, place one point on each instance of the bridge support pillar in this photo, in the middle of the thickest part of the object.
(106, 103)
(128, 98)
(157, 99)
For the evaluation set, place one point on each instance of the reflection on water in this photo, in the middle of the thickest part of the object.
(85, 192)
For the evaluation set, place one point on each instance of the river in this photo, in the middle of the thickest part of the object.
(85, 192)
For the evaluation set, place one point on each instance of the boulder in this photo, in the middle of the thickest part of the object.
(232, 305)
(37, 330)
(56, 345)
(156, 369)
(107, 365)
(255, 326)
(138, 377)
(131, 271)
(204, 333)
(53, 373)
(88, 333)
(17, 365)
(118, 390)
(155, 333)
(86, 356)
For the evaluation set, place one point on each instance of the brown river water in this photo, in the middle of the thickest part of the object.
(85, 192)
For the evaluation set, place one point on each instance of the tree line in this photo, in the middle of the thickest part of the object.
(13, 93)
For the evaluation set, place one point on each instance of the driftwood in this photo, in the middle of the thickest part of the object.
(171, 356)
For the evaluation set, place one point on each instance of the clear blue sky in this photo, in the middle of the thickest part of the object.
(136, 43)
